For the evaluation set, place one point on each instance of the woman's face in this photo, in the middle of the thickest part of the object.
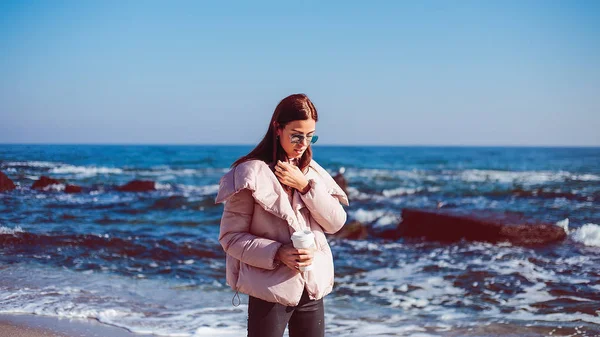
(295, 137)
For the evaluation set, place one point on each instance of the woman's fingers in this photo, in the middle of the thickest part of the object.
(301, 258)
(280, 175)
(295, 258)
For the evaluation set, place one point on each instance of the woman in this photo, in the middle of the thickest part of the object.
(270, 193)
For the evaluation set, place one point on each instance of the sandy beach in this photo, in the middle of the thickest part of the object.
(43, 326)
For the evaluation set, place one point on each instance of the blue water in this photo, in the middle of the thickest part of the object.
(151, 262)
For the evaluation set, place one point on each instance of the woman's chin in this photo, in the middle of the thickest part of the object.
(295, 155)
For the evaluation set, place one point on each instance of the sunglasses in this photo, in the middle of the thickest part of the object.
(298, 138)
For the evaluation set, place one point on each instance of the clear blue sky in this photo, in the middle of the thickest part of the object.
(379, 72)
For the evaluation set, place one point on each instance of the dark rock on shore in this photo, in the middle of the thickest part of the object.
(138, 186)
(172, 202)
(341, 180)
(44, 182)
(353, 231)
(448, 225)
(73, 189)
(5, 183)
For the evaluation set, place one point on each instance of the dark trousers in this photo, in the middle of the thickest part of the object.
(266, 319)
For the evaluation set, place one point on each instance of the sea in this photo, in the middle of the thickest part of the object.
(150, 262)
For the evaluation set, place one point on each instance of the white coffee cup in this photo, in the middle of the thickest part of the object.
(303, 240)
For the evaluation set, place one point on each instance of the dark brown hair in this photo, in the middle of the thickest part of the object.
(292, 108)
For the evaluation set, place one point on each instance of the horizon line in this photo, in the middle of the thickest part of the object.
(319, 145)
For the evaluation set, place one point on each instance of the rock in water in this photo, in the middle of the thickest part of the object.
(138, 186)
(448, 225)
(5, 183)
(43, 182)
(353, 231)
(341, 180)
(72, 189)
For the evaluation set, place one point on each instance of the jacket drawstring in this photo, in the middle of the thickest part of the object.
(238, 299)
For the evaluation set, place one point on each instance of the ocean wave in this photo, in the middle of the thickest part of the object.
(162, 187)
(166, 171)
(54, 188)
(472, 175)
(145, 306)
(162, 172)
(397, 174)
(588, 234)
(528, 314)
(188, 190)
(84, 171)
(107, 245)
(6, 230)
(564, 224)
(33, 163)
(366, 216)
(355, 194)
(202, 190)
(408, 191)
(522, 177)
(389, 219)
(451, 281)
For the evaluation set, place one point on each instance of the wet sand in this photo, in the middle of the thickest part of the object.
(43, 326)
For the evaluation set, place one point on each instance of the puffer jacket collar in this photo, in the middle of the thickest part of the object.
(271, 196)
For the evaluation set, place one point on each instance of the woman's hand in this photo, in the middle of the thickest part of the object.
(291, 176)
(295, 258)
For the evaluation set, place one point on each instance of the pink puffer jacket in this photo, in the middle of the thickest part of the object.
(258, 218)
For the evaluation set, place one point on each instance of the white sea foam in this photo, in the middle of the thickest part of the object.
(33, 163)
(473, 175)
(140, 305)
(169, 308)
(54, 187)
(165, 171)
(401, 191)
(564, 224)
(162, 187)
(397, 174)
(365, 216)
(408, 191)
(528, 314)
(201, 190)
(85, 171)
(6, 230)
(588, 234)
(355, 194)
(523, 177)
(387, 220)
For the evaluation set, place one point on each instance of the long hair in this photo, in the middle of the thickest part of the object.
(292, 108)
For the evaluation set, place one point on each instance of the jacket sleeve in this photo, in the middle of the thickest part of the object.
(235, 236)
(324, 207)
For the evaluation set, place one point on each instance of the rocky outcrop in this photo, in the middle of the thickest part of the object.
(448, 225)
(353, 231)
(44, 182)
(138, 186)
(341, 180)
(72, 189)
(5, 183)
